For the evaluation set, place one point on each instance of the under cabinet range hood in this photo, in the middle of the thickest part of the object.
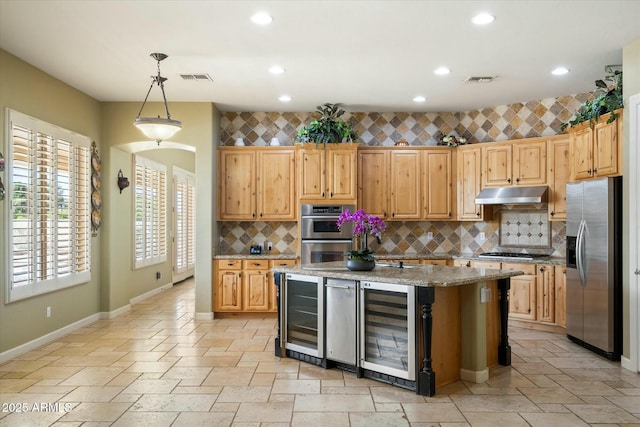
(512, 196)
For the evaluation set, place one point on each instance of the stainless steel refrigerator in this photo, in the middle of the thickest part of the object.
(594, 265)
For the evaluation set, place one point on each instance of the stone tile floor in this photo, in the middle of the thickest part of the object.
(157, 366)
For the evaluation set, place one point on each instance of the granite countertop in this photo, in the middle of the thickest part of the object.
(420, 275)
(261, 256)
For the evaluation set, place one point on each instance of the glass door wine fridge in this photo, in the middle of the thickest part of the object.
(303, 315)
(387, 329)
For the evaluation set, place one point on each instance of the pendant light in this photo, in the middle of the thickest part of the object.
(157, 128)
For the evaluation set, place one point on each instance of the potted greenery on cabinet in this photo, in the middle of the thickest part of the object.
(329, 128)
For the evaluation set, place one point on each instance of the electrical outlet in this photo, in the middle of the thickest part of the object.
(429, 235)
(158, 275)
(48, 311)
(482, 236)
(269, 246)
(485, 295)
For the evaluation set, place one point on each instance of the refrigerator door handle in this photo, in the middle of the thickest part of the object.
(580, 253)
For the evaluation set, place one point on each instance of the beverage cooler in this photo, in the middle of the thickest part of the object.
(303, 326)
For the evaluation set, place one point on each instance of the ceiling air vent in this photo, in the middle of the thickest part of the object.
(483, 79)
(197, 77)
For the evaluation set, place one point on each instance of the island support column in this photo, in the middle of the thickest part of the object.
(504, 349)
(473, 334)
(426, 381)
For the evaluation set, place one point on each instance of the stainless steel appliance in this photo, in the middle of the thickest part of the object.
(320, 238)
(302, 318)
(511, 256)
(594, 265)
(387, 329)
(341, 322)
(512, 196)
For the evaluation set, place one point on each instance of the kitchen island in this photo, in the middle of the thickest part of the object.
(408, 324)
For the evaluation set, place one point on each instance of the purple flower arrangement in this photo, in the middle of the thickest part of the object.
(363, 226)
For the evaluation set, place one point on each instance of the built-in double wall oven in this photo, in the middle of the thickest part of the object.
(320, 238)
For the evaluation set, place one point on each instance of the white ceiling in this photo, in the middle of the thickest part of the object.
(369, 55)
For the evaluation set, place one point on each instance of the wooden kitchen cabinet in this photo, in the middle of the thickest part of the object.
(328, 174)
(256, 183)
(437, 184)
(546, 298)
(515, 163)
(255, 285)
(469, 180)
(373, 182)
(523, 292)
(434, 262)
(596, 152)
(227, 288)
(559, 173)
(561, 295)
(405, 193)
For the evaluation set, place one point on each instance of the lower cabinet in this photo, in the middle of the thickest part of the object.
(546, 297)
(561, 295)
(522, 296)
(245, 285)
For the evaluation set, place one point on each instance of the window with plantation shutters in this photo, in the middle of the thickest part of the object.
(150, 210)
(49, 243)
(184, 238)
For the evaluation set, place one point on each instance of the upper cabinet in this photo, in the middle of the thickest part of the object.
(515, 163)
(327, 174)
(256, 183)
(406, 183)
(469, 179)
(596, 152)
(559, 171)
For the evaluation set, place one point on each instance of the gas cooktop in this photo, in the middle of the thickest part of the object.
(511, 255)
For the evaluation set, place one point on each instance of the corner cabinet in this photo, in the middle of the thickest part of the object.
(256, 183)
(515, 163)
(327, 174)
(596, 152)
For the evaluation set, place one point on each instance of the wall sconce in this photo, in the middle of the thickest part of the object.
(123, 181)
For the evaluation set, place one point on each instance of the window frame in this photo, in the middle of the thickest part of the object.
(160, 210)
(37, 282)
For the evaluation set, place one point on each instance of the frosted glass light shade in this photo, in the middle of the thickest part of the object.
(156, 128)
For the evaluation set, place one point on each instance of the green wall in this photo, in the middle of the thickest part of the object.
(26, 89)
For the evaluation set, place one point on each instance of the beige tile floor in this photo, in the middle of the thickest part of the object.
(157, 366)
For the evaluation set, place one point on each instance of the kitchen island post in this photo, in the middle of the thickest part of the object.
(463, 339)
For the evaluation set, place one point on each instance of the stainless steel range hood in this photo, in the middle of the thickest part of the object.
(512, 196)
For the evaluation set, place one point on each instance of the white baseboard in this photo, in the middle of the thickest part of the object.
(152, 292)
(474, 376)
(45, 339)
(204, 316)
(626, 363)
(115, 313)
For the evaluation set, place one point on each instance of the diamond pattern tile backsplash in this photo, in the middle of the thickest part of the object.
(503, 122)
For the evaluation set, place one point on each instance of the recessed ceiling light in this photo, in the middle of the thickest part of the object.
(560, 71)
(276, 69)
(284, 98)
(261, 18)
(483, 19)
(419, 98)
(442, 71)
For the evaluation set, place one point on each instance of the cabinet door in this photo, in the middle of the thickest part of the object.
(522, 295)
(605, 149)
(581, 149)
(311, 164)
(437, 185)
(276, 185)
(341, 169)
(530, 163)
(273, 297)
(496, 165)
(461, 263)
(227, 291)
(434, 262)
(255, 291)
(559, 171)
(561, 295)
(236, 184)
(405, 180)
(373, 183)
(469, 179)
(546, 298)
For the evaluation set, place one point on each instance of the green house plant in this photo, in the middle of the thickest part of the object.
(608, 99)
(329, 128)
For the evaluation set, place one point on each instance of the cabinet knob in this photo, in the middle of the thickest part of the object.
(260, 214)
(393, 214)
(478, 214)
(253, 215)
(331, 194)
(541, 269)
(449, 213)
(517, 179)
(240, 274)
(552, 213)
(509, 180)
(595, 171)
(589, 171)
(323, 194)
(385, 213)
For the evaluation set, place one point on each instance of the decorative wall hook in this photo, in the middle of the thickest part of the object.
(123, 181)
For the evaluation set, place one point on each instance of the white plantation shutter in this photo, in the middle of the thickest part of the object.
(49, 237)
(150, 221)
(184, 239)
